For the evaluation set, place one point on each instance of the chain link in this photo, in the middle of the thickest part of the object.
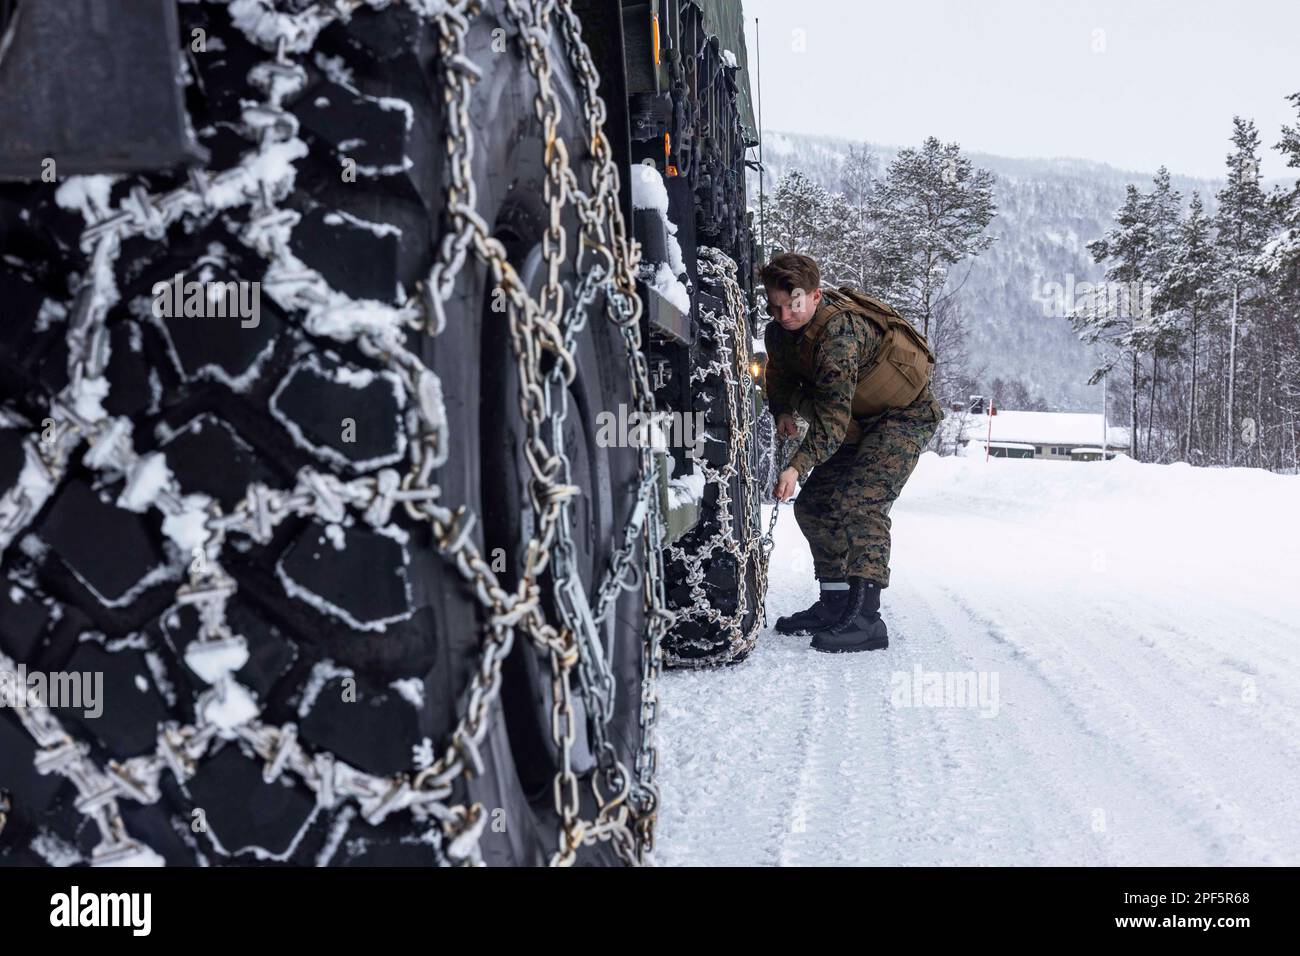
(768, 543)
(729, 329)
(539, 327)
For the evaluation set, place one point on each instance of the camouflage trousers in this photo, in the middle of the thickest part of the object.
(843, 509)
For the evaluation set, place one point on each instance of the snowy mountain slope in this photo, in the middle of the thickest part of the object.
(1048, 211)
(1131, 633)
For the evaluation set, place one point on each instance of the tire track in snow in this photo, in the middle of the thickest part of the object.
(1187, 738)
(1170, 818)
(1207, 673)
(836, 810)
(1122, 791)
(725, 739)
(997, 808)
(807, 784)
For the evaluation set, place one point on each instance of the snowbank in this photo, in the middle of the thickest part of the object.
(1212, 528)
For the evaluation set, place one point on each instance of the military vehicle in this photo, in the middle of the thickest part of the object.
(351, 498)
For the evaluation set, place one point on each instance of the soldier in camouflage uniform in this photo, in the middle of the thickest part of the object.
(851, 468)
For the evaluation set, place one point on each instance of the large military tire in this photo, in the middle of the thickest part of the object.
(721, 614)
(91, 585)
(608, 477)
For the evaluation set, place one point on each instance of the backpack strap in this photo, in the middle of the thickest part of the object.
(901, 366)
(888, 322)
(875, 311)
(833, 303)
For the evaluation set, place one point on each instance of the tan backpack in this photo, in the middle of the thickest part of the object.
(902, 365)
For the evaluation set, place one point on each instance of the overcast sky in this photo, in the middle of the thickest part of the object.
(1133, 83)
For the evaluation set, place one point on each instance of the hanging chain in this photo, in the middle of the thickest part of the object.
(768, 543)
(601, 204)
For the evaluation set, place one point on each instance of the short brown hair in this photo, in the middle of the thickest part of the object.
(789, 271)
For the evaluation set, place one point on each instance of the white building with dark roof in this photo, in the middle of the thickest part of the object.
(1055, 436)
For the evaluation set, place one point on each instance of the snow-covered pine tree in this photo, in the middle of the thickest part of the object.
(796, 216)
(1281, 256)
(1100, 319)
(858, 174)
(1280, 265)
(1157, 331)
(1241, 224)
(1164, 206)
(805, 217)
(841, 243)
(1188, 287)
(928, 213)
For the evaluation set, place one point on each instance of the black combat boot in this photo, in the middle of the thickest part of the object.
(859, 626)
(822, 614)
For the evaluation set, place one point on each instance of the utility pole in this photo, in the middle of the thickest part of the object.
(1232, 368)
(1104, 390)
(988, 442)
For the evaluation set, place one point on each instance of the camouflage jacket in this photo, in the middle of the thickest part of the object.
(849, 343)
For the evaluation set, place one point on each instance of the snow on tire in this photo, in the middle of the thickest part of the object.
(212, 491)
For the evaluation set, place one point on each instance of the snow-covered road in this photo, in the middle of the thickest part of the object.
(1130, 636)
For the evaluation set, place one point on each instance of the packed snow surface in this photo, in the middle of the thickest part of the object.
(1090, 663)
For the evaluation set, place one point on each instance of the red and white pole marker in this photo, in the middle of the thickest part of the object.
(989, 444)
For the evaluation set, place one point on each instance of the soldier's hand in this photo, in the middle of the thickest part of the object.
(785, 426)
(785, 484)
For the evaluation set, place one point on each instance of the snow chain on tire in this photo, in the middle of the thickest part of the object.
(605, 258)
(704, 635)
